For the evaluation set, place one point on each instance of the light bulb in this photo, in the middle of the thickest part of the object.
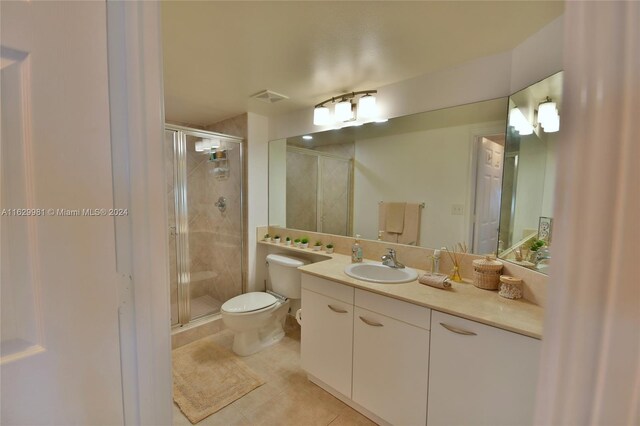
(546, 112)
(343, 111)
(552, 125)
(367, 108)
(321, 116)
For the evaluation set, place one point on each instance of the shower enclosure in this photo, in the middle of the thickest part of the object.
(204, 187)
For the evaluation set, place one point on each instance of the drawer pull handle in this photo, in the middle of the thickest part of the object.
(371, 323)
(338, 310)
(458, 330)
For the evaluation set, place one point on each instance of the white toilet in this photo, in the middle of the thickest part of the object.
(257, 318)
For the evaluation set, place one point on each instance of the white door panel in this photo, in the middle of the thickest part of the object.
(488, 189)
(61, 354)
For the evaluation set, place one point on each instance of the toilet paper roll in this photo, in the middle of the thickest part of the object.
(299, 316)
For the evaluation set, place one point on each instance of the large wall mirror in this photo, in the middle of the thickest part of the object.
(431, 179)
(526, 222)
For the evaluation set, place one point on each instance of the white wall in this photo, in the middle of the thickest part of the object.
(431, 166)
(278, 183)
(257, 197)
(550, 174)
(532, 162)
(538, 56)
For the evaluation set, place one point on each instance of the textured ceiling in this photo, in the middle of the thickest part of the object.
(217, 54)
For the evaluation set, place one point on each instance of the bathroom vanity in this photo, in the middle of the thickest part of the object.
(414, 355)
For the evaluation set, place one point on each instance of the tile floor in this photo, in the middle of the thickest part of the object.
(287, 397)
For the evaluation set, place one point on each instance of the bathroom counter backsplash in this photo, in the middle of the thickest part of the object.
(522, 316)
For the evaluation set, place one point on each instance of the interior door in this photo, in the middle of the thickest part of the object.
(488, 187)
(60, 360)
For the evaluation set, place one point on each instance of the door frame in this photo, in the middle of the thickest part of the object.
(137, 131)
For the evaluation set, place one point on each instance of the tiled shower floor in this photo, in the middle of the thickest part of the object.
(204, 305)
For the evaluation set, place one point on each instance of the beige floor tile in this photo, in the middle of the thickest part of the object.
(287, 397)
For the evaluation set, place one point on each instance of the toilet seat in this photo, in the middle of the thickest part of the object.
(249, 302)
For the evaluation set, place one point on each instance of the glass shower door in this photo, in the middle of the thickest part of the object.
(170, 141)
(208, 238)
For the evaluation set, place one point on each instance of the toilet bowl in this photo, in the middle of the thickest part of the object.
(257, 318)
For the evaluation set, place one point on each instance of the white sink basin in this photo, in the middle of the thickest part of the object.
(379, 273)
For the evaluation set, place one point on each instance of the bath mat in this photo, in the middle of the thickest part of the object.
(207, 377)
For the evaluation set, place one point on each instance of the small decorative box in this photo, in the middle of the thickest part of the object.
(510, 287)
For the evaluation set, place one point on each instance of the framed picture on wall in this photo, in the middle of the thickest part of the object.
(545, 228)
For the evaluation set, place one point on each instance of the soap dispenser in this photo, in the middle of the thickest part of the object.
(435, 262)
(356, 251)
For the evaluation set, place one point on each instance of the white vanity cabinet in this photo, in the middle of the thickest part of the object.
(391, 358)
(480, 375)
(327, 332)
(404, 364)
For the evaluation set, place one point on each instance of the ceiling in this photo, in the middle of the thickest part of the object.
(218, 54)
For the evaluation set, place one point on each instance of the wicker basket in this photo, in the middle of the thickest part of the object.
(486, 273)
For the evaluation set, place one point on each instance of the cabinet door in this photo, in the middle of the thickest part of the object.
(327, 340)
(485, 378)
(390, 368)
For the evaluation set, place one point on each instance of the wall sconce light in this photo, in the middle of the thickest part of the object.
(520, 122)
(548, 116)
(345, 111)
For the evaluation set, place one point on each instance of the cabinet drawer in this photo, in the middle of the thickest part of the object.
(328, 288)
(403, 311)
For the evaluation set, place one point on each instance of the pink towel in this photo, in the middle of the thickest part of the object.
(435, 280)
(411, 233)
(382, 216)
(394, 219)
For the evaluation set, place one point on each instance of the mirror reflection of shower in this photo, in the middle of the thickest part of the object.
(204, 186)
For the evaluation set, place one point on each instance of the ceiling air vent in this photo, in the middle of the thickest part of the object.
(269, 97)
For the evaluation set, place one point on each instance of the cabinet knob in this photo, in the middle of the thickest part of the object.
(338, 310)
(371, 323)
(458, 330)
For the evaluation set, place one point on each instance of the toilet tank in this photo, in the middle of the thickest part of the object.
(284, 275)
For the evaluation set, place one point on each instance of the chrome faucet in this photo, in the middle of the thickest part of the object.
(543, 256)
(390, 260)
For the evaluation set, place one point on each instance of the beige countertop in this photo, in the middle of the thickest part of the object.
(463, 299)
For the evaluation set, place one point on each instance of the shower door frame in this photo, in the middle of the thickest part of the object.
(180, 134)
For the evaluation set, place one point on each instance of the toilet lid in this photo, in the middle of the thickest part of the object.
(249, 302)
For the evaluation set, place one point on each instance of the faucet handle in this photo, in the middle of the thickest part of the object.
(391, 251)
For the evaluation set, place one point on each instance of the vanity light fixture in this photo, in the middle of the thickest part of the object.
(307, 137)
(548, 116)
(345, 111)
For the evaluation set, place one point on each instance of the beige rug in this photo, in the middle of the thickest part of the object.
(207, 377)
